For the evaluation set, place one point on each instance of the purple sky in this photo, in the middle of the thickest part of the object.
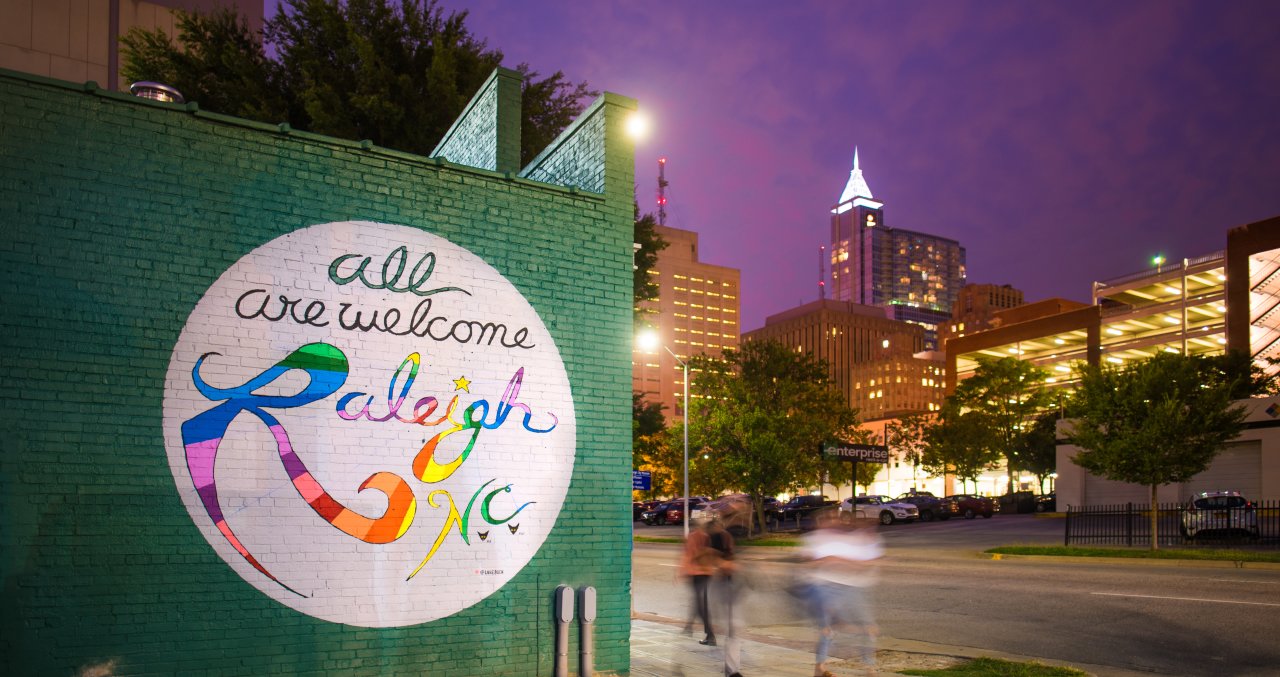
(1059, 142)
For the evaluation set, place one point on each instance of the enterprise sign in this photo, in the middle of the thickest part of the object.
(873, 453)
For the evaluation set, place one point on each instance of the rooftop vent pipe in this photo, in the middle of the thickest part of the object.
(156, 91)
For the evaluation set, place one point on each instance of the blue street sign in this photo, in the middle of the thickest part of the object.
(641, 480)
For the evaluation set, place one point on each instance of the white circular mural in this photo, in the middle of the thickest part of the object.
(369, 424)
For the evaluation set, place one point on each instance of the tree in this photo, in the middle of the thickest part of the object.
(764, 410)
(1158, 421)
(646, 257)
(1249, 377)
(222, 64)
(959, 443)
(908, 438)
(867, 473)
(1005, 394)
(397, 74)
(1037, 452)
(647, 428)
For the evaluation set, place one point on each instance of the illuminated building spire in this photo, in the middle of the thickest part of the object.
(857, 186)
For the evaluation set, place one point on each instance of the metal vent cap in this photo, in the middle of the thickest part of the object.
(156, 91)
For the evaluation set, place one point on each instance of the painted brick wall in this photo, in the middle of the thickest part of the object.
(475, 140)
(119, 215)
(564, 161)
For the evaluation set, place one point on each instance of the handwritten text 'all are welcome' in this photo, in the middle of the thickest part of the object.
(421, 322)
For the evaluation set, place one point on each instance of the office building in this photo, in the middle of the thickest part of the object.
(917, 275)
(696, 312)
(879, 363)
(976, 308)
(80, 40)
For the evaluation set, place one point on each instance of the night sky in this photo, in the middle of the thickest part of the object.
(1059, 142)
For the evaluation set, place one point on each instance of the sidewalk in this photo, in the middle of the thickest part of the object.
(660, 649)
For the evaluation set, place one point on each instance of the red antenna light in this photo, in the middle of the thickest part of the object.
(662, 191)
(822, 272)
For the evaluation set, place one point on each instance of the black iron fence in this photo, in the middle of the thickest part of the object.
(1177, 525)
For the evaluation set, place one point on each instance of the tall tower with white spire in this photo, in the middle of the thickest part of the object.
(853, 215)
(914, 276)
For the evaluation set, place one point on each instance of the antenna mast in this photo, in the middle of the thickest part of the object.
(662, 191)
(822, 272)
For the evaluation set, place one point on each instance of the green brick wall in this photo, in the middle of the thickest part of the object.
(118, 215)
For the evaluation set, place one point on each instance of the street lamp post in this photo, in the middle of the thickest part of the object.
(648, 341)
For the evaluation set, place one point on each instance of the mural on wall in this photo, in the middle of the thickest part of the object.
(369, 424)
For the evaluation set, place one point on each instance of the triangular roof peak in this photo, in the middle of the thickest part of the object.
(857, 185)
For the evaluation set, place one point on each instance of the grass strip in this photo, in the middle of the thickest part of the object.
(995, 667)
(1136, 553)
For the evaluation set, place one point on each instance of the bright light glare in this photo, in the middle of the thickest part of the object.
(648, 340)
(637, 126)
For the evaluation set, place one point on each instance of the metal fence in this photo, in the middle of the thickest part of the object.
(1176, 525)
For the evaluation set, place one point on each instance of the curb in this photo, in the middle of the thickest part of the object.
(1139, 561)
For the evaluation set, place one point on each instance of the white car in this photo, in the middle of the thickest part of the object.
(1223, 512)
(880, 508)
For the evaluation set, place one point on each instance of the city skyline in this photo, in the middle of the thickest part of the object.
(1060, 143)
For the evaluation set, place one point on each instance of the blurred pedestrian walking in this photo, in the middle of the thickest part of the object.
(699, 562)
(728, 582)
(841, 562)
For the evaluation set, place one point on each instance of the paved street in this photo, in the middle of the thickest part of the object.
(937, 595)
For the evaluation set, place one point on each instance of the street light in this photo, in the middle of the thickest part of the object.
(637, 125)
(649, 341)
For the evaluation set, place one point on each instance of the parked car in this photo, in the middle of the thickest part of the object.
(881, 508)
(931, 507)
(1220, 512)
(639, 508)
(1018, 502)
(656, 514)
(674, 512)
(799, 508)
(1047, 502)
(972, 505)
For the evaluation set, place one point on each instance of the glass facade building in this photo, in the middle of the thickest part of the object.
(917, 275)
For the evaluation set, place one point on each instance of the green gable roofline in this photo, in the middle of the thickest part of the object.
(575, 161)
(487, 133)
(577, 157)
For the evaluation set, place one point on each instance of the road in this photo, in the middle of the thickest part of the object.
(1129, 617)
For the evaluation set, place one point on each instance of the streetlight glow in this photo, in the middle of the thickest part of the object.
(637, 126)
(648, 340)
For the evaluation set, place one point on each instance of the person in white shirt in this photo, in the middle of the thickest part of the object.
(841, 562)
